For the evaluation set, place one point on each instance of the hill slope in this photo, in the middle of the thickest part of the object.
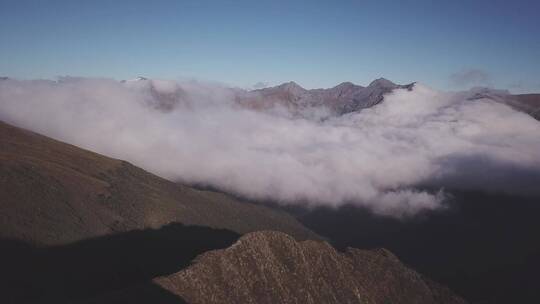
(54, 193)
(528, 103)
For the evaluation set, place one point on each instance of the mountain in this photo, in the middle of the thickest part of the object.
(75, 224)
(347, 97)
(79, 227)
(163, 95)
(528, 103)
(272, 267)
(341, 99)
(54, 193)
(344, 98)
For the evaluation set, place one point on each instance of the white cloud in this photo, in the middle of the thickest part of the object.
(375, 158)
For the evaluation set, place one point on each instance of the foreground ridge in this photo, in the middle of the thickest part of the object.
(272, 267)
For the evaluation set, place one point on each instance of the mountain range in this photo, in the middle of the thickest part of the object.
(341, 99)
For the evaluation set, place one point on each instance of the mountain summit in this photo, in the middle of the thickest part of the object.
(382, 82)
(291, 86)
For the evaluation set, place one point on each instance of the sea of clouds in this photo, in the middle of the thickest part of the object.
(396, 158)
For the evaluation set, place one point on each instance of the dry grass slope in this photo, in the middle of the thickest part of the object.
(54, 193)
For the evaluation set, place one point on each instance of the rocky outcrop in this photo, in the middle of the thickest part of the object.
(272, 267)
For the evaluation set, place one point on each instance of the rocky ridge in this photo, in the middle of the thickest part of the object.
(271, 267)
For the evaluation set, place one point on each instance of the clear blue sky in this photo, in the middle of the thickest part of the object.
(315, 43)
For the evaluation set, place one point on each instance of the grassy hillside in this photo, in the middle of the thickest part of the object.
(54, 193)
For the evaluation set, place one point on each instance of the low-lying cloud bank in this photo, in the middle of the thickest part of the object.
(196, 133)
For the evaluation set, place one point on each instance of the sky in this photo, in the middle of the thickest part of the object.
(450, 45)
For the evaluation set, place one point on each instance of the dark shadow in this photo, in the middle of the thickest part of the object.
(484, 174)
(109, 265)
(484, 246)
(146, 293)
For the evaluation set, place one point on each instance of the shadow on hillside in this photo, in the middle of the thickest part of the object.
(484, 247)
(114, 268)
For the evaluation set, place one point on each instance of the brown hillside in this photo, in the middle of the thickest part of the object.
(54, 193)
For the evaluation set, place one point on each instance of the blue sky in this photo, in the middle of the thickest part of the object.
(445, 44)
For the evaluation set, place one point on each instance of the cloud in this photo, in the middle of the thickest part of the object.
(380, 158)
(470, 77)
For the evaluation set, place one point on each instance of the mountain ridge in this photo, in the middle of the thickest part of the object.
(272, 267)
(343, 98)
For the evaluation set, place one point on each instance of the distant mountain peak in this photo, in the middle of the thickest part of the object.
(347, 85)
(291, 86)
(382, 82)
